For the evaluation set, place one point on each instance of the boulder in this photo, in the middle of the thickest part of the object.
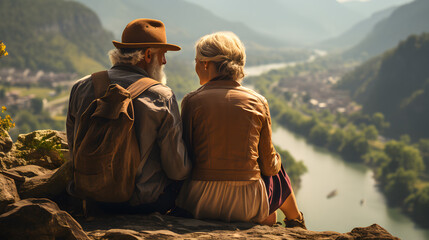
(30, 171)
(39, 219)
(45, 148)
(8, 192)
(10, 161)
(49, 185)
(6, 142)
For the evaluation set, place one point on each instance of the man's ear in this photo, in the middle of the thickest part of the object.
(148, 56)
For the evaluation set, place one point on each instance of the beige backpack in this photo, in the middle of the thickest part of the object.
(106, 153)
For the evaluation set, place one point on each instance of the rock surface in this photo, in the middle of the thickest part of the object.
(38, 219)
(8, 192)
(156, 226)
(6, 142)
(49, 185)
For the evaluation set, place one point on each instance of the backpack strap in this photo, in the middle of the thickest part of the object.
(100, 81)
(141, 85)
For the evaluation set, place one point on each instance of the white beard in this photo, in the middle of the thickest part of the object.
(156, 71)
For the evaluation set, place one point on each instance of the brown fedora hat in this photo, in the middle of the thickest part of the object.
(142, 33)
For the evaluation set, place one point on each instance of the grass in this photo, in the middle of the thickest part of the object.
(37, 91)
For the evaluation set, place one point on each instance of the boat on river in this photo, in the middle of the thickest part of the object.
(332, 194)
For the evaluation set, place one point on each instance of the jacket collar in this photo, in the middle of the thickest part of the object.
(218, 81)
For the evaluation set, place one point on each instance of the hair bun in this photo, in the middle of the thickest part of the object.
(226, 50)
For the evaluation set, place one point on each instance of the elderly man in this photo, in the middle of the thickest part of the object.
(157, 123)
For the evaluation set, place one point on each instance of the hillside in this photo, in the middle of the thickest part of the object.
(356, 33)
(368, 8)
(302, 22)
(396, 84)
(411, 18)
(53, 35)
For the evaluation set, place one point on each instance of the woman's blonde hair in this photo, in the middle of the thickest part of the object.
(226, 51)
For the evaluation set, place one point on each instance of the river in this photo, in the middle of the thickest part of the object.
(358, 203)
(353, 182)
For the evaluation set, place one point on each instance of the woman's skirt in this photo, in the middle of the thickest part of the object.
(278, 189)
(228, 201)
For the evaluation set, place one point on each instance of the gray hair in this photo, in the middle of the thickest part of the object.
(227, 52)
(128, 56)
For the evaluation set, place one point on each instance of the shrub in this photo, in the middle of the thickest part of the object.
(6, 123)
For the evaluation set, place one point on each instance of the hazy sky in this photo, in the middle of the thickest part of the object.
(353, 0)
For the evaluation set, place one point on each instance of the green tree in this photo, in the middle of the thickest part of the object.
(405, 138)
(27, 120)
(336, 140)
(402, 156)
(355, 146)
(377, 159)
(371, 132)
(424, 151)
(293, 168)
(36, 105)
(418, 204)
(2, 93)
(319, 134)
(400, 185)
(379, 122)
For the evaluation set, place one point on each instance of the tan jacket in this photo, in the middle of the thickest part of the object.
(227, 129)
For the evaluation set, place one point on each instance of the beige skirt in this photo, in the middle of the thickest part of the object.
(228, 201)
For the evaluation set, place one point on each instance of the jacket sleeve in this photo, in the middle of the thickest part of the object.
(269, 160)
(187, 127)
(174, 157)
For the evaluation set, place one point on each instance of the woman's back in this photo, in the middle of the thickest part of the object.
(226, 124)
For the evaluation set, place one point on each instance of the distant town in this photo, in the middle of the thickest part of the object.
(12, 81)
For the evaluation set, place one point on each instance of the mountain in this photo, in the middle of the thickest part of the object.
(356, 33)
(368, 8)
(411, 18)
(396, 83)
(52, 35)
(302, 22)
(185, 22)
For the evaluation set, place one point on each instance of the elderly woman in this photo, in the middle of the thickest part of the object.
(227, 129)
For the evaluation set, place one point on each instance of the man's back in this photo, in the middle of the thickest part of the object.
(158, 128)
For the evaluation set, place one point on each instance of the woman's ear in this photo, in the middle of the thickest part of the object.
(206, 65)
(147, 56)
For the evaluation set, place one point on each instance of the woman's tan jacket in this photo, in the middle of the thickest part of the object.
(227, 129)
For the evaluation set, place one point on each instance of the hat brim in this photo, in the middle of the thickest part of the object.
(167, 46)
